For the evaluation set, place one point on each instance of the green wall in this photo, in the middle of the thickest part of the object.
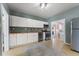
(68, 15)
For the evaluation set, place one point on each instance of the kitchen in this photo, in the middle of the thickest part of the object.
(34, 29)
(25, 30)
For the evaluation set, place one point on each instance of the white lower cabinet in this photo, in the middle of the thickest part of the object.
(32, 37)
(35, 37)
(22, 38)
(13, 40)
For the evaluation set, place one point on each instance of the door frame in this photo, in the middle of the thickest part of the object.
(64, 28)
(2, 34)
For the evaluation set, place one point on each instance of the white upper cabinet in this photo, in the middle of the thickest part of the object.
(36, 23)
(26, 22)
(18, 21)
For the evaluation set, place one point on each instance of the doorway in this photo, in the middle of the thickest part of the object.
(58, 33)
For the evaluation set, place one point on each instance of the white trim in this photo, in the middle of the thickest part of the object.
(5, 34)
(71, 32)
(67, 43)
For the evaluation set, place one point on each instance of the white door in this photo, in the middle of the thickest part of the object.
(5, 29)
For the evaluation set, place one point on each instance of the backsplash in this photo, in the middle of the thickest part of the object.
(24, 29)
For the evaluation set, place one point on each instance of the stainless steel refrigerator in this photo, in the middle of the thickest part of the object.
(75, 34)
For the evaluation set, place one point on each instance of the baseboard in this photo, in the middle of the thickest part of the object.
(67, 43)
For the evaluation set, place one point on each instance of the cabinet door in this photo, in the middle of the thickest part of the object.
(18, 21)
(40, 24)
(30, 37)
(30, 23)
(13, 40)
(34, 23)
(25, 38)
(22, 22)
(13, 21)
(22, 38)
(35, 37)
(37, 24)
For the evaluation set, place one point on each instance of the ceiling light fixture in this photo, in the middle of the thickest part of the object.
(43, 5)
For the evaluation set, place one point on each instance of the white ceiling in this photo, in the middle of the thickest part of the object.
(34, 8)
